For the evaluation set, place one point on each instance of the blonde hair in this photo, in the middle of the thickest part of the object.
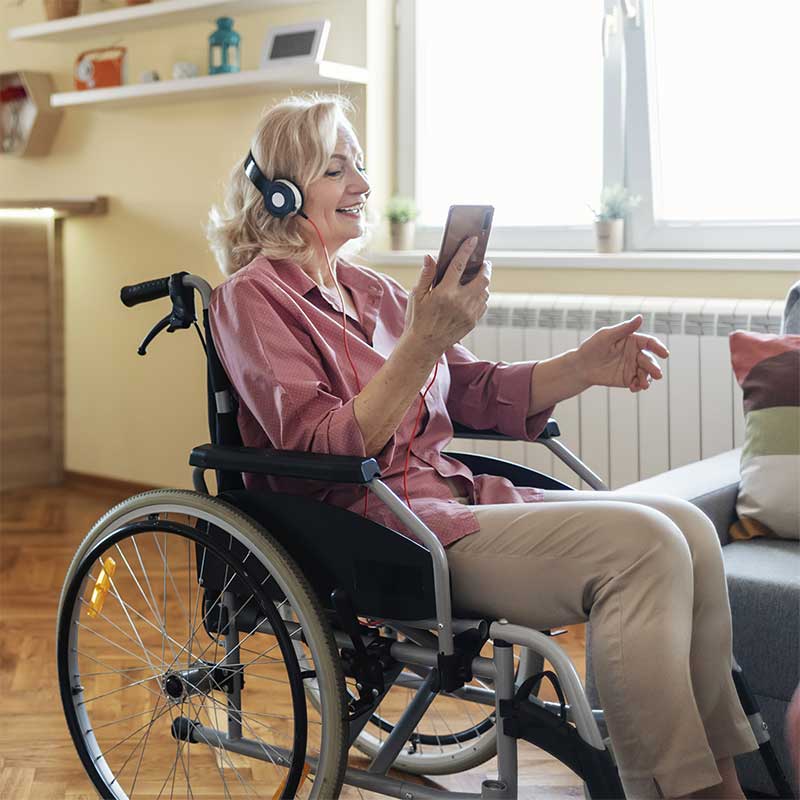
(294, 139)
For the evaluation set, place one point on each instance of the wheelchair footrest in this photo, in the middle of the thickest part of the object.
(523, 719)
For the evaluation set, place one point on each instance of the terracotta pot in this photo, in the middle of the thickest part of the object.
(402, 235)
(610, 235)
(57, 9)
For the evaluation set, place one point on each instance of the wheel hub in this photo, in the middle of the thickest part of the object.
(200, 678)
(173, 687)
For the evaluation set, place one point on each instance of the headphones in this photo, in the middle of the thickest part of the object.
(281, 197)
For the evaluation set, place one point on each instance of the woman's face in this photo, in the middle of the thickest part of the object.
(335, 202)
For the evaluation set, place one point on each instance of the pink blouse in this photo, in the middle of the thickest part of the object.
(280, 341)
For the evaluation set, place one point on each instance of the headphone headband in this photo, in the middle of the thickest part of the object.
(282, 198)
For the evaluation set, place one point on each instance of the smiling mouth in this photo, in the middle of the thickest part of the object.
(351, 211)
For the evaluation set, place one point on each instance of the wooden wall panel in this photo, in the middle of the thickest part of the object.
(31, 361)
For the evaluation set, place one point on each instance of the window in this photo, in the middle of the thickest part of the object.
(717, 157)
(533, 106)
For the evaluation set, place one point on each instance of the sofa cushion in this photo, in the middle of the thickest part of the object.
(767, 368)
(764, 589)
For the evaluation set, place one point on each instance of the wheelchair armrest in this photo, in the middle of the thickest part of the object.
(550, 431)
(289, 463)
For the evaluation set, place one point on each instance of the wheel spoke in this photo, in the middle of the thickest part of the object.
(155, 614)
(164, 595)
(133, 627)
(162, 631)
(158, 716)
(237, 714)
(265, 678)
(102, 616)
(186, 770)
(171, 579)
(223, 751)
(205, 617)
(118, 646)
(218, 662)
(96, 728)
(211, 749)
(161, 620)
(171, 774)
(103, 664)
(146, 736)
(247, 664)
(112, 671)
(114, 691)
(154, 607)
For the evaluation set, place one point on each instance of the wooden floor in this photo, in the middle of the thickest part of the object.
(40, 530)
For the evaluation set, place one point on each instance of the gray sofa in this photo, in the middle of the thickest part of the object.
(764, 589)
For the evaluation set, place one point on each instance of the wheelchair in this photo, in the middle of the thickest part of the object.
(239, 644)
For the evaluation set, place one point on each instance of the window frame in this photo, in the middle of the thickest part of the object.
(622, 28)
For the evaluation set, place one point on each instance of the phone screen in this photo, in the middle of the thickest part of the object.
(464, 222)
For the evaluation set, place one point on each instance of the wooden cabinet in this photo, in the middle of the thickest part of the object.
(32, 340)
(31, 356)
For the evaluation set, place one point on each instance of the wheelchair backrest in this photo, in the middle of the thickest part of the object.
(222, 409)
(385, 574)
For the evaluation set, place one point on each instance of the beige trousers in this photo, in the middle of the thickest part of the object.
(647, 572)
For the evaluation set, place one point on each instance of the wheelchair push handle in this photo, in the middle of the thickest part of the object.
(179, 287)
(144, 292)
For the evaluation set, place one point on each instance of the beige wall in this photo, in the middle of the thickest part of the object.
(136, 418)
(130, 417)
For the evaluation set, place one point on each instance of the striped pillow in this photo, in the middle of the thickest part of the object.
(767, 367)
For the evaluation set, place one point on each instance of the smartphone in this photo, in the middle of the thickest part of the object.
(464, 222)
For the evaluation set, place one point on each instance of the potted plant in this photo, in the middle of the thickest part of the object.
(609, 221)
(401, 213)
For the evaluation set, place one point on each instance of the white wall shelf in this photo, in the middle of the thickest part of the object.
(147, 16)
(277, 77)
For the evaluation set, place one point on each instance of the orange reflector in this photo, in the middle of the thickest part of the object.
(101, 587)
(303, 776)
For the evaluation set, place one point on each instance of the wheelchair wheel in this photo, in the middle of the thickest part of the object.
(177, 670)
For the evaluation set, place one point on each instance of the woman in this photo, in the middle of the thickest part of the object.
(647, 571)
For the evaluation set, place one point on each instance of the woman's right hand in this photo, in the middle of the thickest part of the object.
(437, 318)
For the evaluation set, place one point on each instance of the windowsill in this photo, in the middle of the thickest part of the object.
(584, 259)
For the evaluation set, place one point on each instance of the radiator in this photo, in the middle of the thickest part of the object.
(694, 412)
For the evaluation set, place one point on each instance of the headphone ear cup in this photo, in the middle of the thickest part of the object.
(278, 200)
(283, 198)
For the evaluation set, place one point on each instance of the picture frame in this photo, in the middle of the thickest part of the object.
(301, 42)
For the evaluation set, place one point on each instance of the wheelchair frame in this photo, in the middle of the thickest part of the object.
(567, 730)
(596, 771)
(594, 766)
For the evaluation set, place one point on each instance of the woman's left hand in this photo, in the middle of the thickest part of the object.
(618, 356)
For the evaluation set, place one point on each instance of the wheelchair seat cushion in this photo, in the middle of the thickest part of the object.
(386, 574)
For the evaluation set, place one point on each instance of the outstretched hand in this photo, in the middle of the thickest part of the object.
(618, 356)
